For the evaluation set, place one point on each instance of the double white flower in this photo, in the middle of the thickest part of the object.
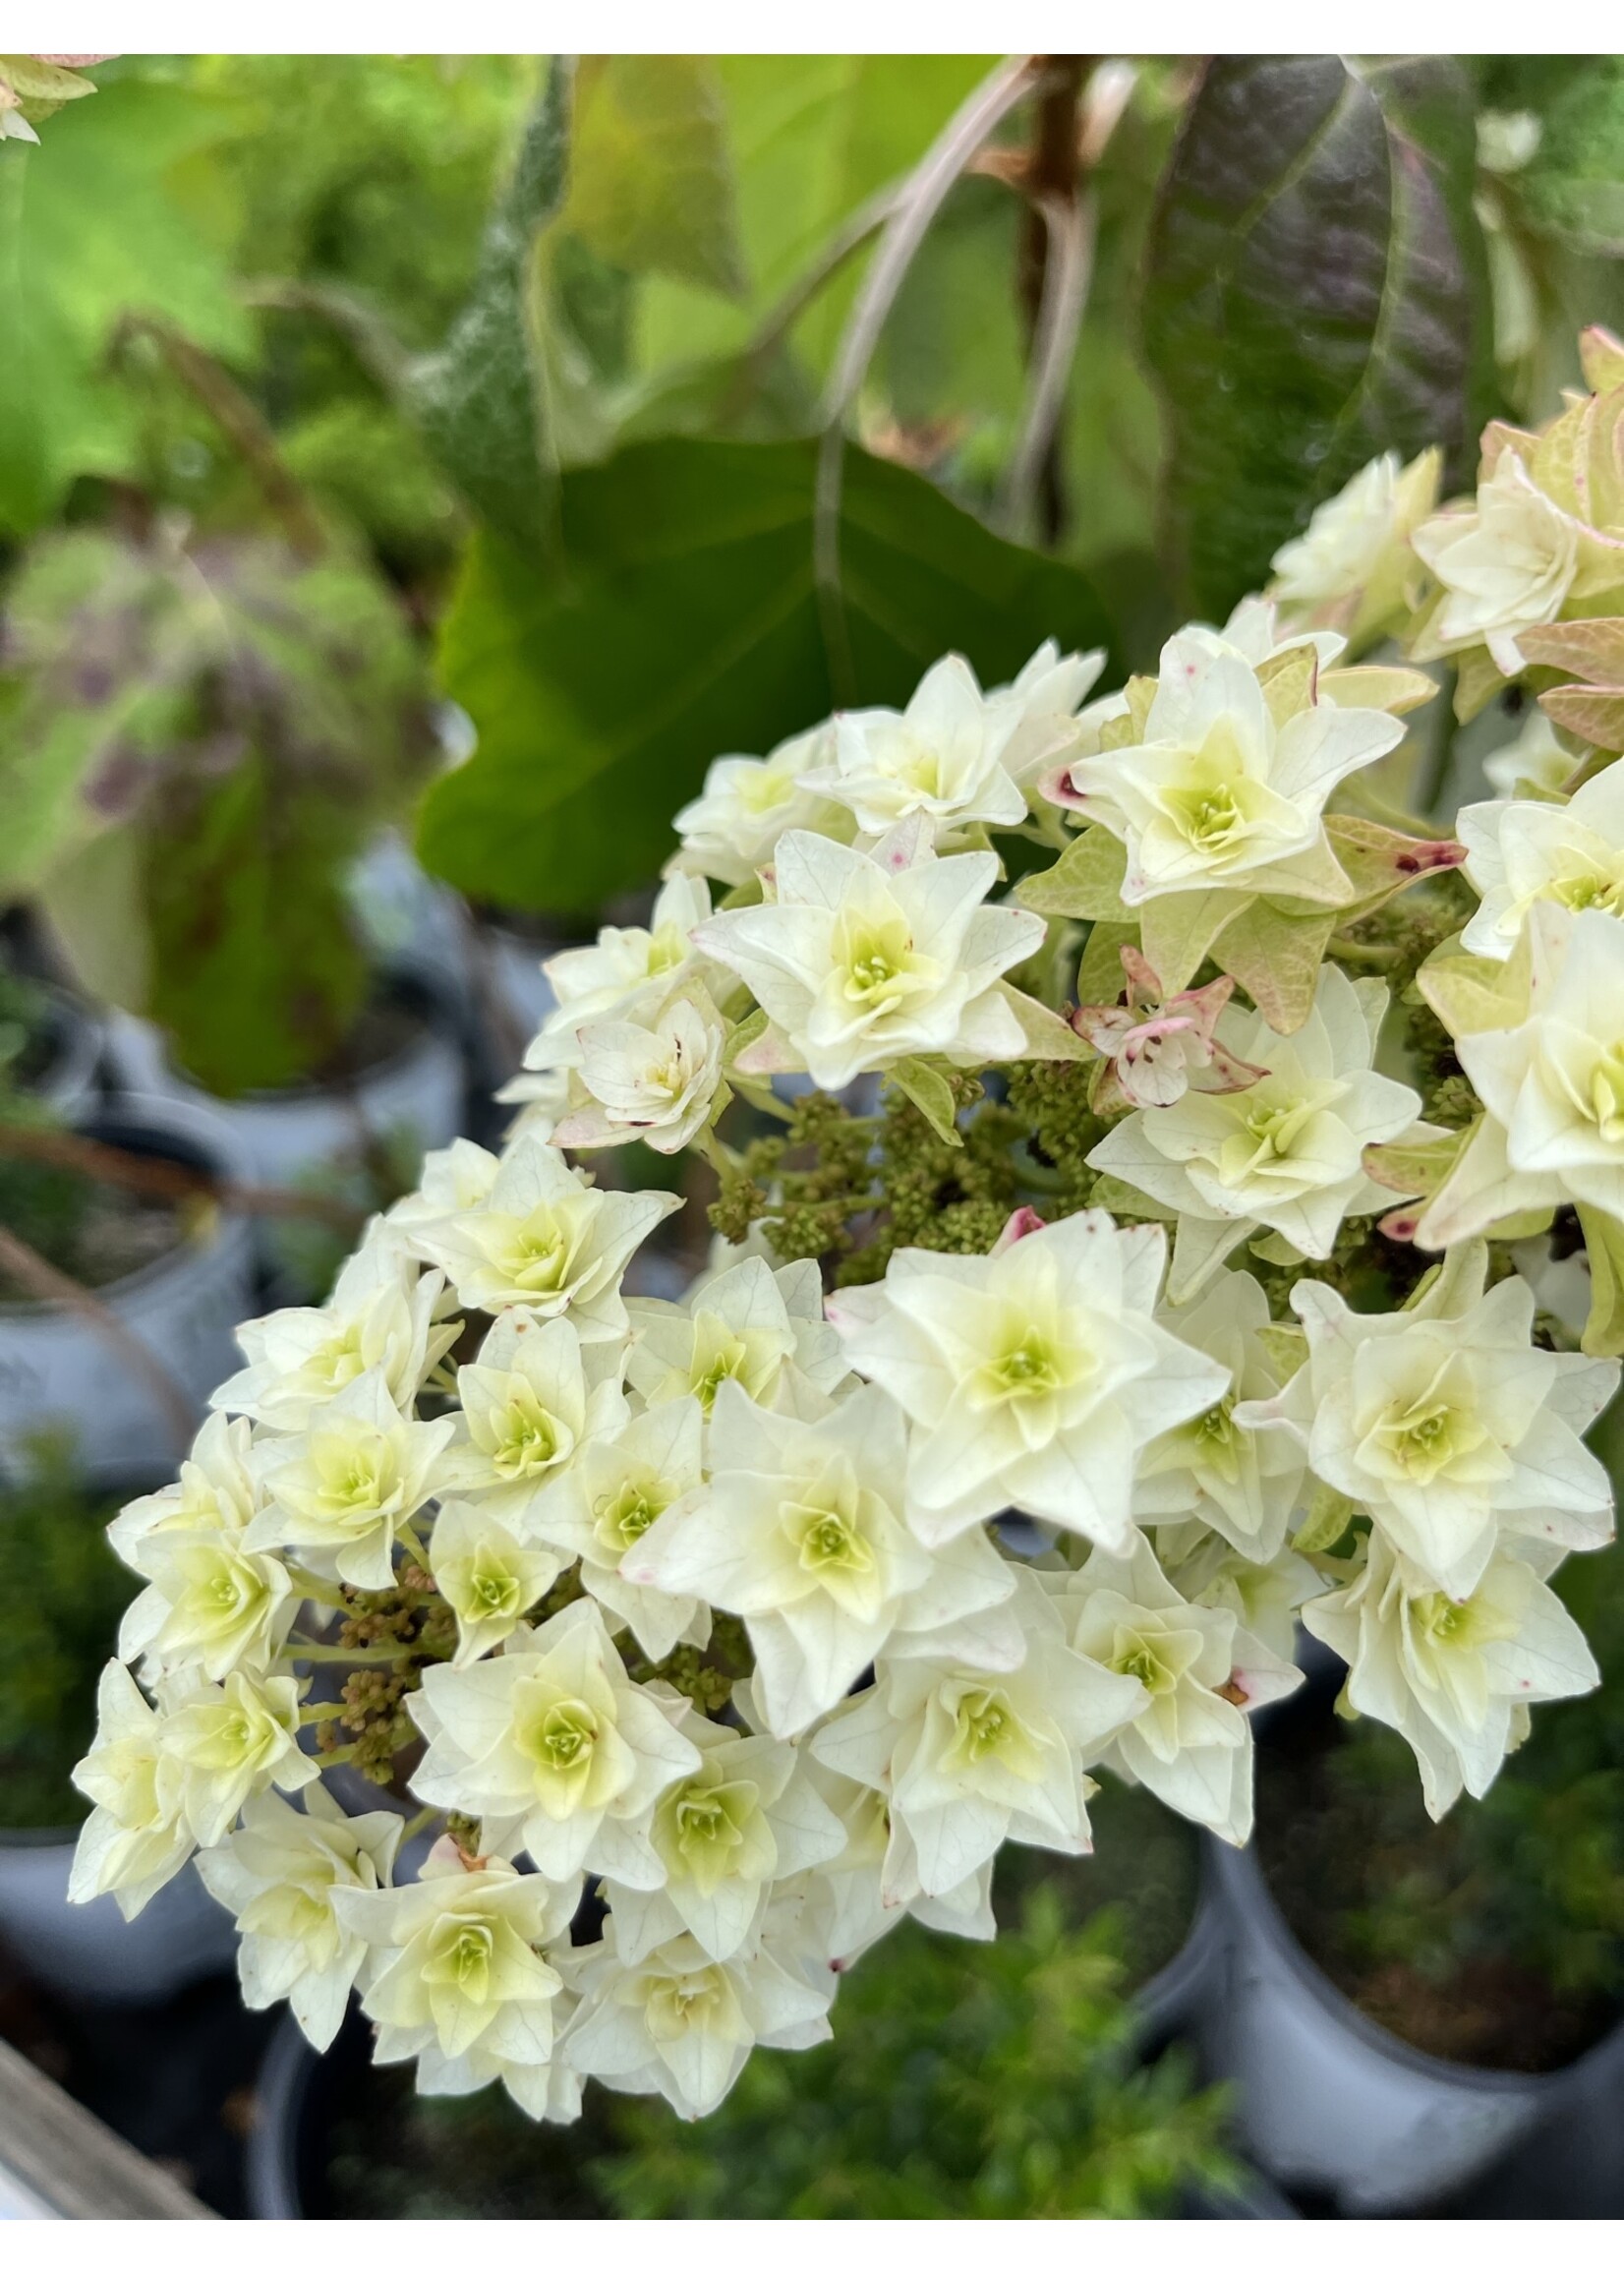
(344, 1491)
(1222, 786)
(531, 1400)
(801, 1531)
(1453, 1672)
(279, 1875)
(967, 1756)
(541, 1236)
(458, 1978)
(1034, 1377)
(862, 960)
(731, 829)
(555, 1748)
(1446, 1423)
(761, 1329)
(1525, 850)
(1506, 563)
(1286, 1153)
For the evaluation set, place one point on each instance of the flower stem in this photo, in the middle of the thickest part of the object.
(330, 1655)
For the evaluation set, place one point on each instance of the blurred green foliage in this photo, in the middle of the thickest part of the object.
(963, 2081)
(67, 1594)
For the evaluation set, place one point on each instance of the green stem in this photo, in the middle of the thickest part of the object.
(419, 1823)
(1371, 955)
(330, 1655)
(336, 1758)
(329, 1713)
(318, 1590)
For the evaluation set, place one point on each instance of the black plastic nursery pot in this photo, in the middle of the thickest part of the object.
(1353, 2117)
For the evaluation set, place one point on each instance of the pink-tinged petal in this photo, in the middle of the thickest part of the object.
(1225, 1072)
(1021, 1226)
(1057, 789)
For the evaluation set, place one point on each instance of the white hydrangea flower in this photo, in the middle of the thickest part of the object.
(277, 1875)
(209, 1605)
(748, 1816)
(865, 958)
(801, 1531)
(230, 1740)
(1506, 563)
(531, 1400)
(1034, 1377)
(730, 829)
(487, 1574)
(541, 1237)
(619, 1485)
(1216, 794)
(842, 1906)
(1199, 1674)
(137, 1835)
(1446, 1423)
(1524, 849)
(1543, 1045)
(1454, 1673)
(1265, 1598)
(651, 1077)
(217, 1491)
(627, 971)
(940, 759)
(760, 1327)
(1043, 700)
(1351, 564)
(459, 1979)
(555, 1749)
(345, 1492)
(682, 2024)
(1244, 1484)
(384, 1315)
(967, 1758)
(1287, 1152)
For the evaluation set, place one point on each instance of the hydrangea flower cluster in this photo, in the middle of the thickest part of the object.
(709, 1639)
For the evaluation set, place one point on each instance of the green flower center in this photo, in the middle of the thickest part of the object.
(625, 1516)
(563, 1737)
(1027, 1370)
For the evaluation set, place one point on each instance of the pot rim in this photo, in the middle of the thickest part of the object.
(437, 1017)
(177, 1119)
(1240, 1876)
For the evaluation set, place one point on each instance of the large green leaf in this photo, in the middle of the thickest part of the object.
(480, 400)
(91, 230)
(1317, 294)
(687, 625)
(651, 188)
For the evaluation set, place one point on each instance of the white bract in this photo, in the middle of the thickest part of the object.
(1349, 566)
(1505, 565)
(749, 1815)
(1446, 1423)
(1524, 849)
(653, 1079)
(1197, 1672)
(344, 1492)
(384, 1316)
(940, 759)
(801, 1531)
(488, 1576)
(620, 1484)
(1034, 1378)
(229, 1741)
(750, 1324)
(1548, 1066)
(1244, 1482)
(536, 1394)
(279, 1874)
(541, 1237)
(681, 2024)
(1215, 792)
(1453, 1672)
(555, 1749)
(1287, 1152)
(459, 1979)
(626, 969)
(864, 958)
(137, 1835)
(967, 1756)
(1043, 699)
(732, 827)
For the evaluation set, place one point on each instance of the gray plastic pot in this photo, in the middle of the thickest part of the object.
(56, 1371)
(68, 1083)
(89, 1950)
(287, 1136)
(1330, 2103)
